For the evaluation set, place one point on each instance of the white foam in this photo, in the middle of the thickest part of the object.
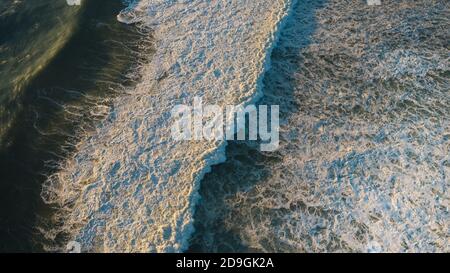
(130, 187)
(372, 178)
(373, 2)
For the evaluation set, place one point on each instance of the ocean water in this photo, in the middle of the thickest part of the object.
(130, 187)
(28, 43)
(364, 97)
(364, 159)
(60, 66)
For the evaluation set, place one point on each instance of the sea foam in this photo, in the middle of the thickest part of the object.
(363, 163)
(129, 186)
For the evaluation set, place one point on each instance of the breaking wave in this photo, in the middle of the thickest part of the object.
(363, 163)
(130, 187)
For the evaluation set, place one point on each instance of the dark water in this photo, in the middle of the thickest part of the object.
(28, 42)
(363, 163)
(45, 107)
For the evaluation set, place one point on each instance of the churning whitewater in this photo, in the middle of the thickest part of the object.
(130, 187)
(363, 163)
